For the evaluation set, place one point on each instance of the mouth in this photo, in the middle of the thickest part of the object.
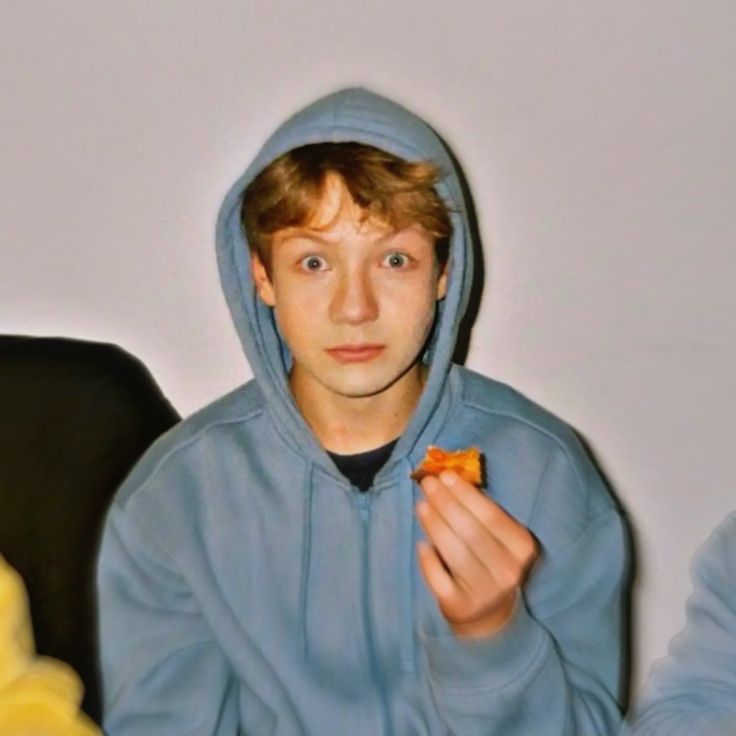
(357, 353)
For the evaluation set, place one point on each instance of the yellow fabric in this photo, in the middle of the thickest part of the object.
(38, 696)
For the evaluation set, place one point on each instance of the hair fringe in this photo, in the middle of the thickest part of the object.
(387, 188)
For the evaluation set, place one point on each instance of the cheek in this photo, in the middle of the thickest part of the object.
(411, 305)
(297, 312)
(423, 326)
(292, 321)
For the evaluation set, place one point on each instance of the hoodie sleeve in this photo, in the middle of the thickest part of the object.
(693, 690)
(162, 671)
(556, 668)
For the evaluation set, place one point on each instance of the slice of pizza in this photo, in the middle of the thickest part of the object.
(466, 463)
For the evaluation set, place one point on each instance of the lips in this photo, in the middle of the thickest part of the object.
(355, 353)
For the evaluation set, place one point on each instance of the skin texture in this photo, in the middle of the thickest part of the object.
(478, 558)
(347, 281)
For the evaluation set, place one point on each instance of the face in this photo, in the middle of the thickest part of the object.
(355, 301)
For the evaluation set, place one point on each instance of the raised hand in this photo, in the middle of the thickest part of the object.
(478, 556)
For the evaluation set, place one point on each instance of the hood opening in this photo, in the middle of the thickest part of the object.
(364, 117)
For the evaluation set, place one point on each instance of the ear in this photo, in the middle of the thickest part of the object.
(261, 279)
(442, 284)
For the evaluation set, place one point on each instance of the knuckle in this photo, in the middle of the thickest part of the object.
(511, 576)
(525, 542)
(475, 537)
(451, 606)
(474, 610)
(531, 548)
(489, 516)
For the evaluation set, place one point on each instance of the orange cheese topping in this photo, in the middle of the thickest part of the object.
(466, 463)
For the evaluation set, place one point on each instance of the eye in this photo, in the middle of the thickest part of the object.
(313, 263)
(396, 260)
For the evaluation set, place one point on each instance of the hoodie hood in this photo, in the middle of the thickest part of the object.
(359, 116)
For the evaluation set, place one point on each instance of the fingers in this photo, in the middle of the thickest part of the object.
(439, 580)
(477, 557)
(454, 518)
(451, 598)
(487, 513)
(463, 561)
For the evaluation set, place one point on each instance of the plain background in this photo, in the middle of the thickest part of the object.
(600, 143)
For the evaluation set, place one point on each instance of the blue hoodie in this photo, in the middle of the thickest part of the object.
(246, 587)
(692, 692)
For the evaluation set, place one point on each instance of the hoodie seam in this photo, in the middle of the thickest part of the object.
(138, 528)
(454, 406)
(538, 492)
(600, 519)
(306, 562)
(327, 131)
(541, 430)
(303, 456)
(181, 446)
(540, 655)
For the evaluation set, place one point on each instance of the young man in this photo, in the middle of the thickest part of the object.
(271, 568)
(692, 692)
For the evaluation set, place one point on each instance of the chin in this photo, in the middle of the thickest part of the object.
(362, 386)
(359, 390)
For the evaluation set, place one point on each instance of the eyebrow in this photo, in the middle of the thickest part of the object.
(317, 238)
(303, 235)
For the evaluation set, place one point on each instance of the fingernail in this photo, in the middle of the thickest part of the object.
(422, 508)
(448, 478)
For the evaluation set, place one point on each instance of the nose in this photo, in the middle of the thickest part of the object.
(354, 300)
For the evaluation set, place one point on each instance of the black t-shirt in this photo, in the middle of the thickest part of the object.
(360, 469)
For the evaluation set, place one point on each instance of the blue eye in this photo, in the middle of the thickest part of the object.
(313, 263)
(396, 260)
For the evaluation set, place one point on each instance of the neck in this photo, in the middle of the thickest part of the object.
(347, 425)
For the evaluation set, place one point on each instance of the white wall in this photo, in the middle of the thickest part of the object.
(600, 142)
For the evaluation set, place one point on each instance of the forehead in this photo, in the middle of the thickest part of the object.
(336, 210)
(365, 235)
(337, 215)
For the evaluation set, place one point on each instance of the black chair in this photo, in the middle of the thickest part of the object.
(74, 418)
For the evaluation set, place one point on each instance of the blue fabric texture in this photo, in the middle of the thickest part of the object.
(245, 587)
(692, 691)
